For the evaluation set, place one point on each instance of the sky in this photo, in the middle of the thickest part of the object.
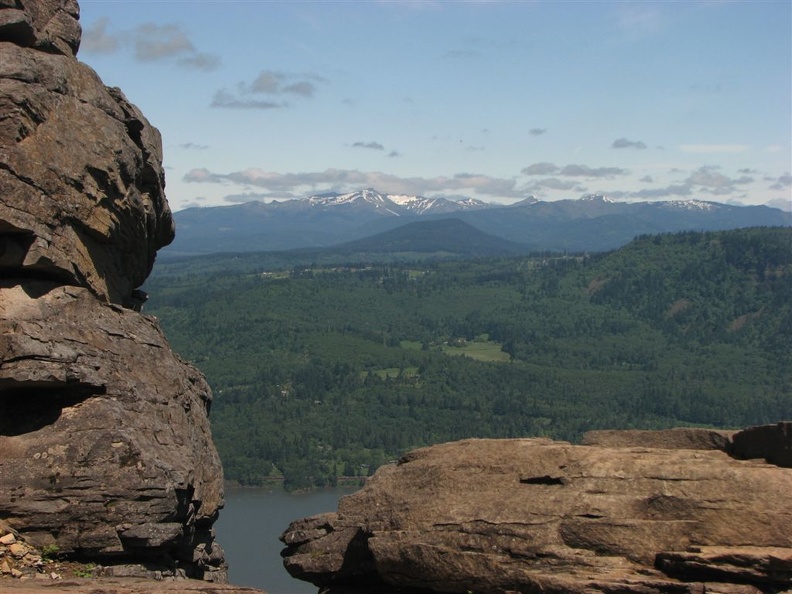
(495, 100)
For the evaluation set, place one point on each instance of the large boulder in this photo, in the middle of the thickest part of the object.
(534, 515)
(105, 448)
(81, 181)
(48, 25)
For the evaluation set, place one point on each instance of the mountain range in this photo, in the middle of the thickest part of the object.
(590, 223)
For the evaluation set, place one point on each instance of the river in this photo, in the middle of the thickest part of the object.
(249, 527)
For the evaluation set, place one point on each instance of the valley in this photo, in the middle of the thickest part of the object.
(322, 374)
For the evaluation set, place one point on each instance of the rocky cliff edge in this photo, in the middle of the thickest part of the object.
(105, 448)
(633, 512)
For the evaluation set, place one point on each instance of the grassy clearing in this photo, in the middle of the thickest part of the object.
(480, 351)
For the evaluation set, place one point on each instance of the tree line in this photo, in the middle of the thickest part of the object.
(323, 374)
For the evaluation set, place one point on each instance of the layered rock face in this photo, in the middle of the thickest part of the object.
(105, 447)
(82, 198)
(632, 512)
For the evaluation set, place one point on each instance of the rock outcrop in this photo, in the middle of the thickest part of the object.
(105, 447)
(535, 515)
(81, 181)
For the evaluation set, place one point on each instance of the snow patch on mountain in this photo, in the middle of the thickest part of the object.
(692, 205)
(396, 204)
(596, 198)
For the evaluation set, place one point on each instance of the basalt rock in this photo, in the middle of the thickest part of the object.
(81, 180)
(47, 25)
(105, 449)
(534, 515)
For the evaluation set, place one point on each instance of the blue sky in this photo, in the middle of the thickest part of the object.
(496, 100)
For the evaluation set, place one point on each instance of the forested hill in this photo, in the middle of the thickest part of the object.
(321, 373)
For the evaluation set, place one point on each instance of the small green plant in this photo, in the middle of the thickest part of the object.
(49, 552)
(86, 571)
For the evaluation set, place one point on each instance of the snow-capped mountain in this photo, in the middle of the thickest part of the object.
(395, 204)
(591, 223)
(693, 205)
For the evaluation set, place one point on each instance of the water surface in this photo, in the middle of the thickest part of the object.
(249, 527)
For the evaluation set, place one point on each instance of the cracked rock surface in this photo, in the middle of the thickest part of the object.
(106, 453)
(81, 181)
(534, 515)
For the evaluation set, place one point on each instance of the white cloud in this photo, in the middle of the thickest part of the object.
(572, 170)
(709, 176)
(369, 145)
(552, 183)
(783, 181)
(272, 84)
(200, 61)
(586, 171)
(620, 143)
(224, 99)
(150, 42)
(96, 40)
(154, 42)
(540, 169)
(344, 179)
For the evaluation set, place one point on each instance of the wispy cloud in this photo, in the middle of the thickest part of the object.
(273, 85)
(537, 131)
(586, 171)
(540, 169)
(271, 82)
(226, 100)
(572, 170)
(621, 143)
(707, 179)
(783, 181)
(553, 183)
(709, 176)
(200, 61)
(155, 42)
(369, 145)
(191, 146)
(345, 179)
(96, 39)
(149, 42)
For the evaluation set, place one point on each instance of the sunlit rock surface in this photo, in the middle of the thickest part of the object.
(105, 447)
(534, 515)
(81, 178)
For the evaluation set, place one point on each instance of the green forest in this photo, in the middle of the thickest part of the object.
(321, 373)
